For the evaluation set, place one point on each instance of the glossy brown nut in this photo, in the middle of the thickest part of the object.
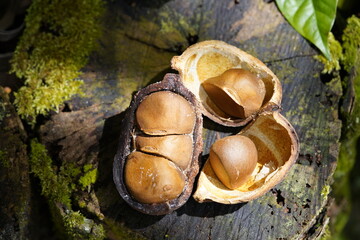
(178, 148)
(210, 60)
(146, 148)
(233, 160)
(152, 179)
(237, 93)
(164, 113)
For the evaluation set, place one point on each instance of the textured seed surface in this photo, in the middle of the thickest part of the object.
(152, 179)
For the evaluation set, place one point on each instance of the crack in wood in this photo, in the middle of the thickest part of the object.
(305, 159)
(209, 236)
(289, 58)
(279, 198)
(200, 21)
(317, 227)
(177, 50)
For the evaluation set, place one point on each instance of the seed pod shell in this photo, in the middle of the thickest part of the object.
(278, 148)
(126, 146)
(209, 59)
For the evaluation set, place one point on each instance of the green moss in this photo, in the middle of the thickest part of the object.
(285, 72)
(74, 219)
(2, 110)
(351, 129)
(175, 28)
(336, 56)
(58, 187)
(119, 231)
(89, 177)
(82, 203)
(327, 234)
(325, 191)
(55, 188)
(351, 125)
(55, 45)
(4, 159)
(80, 227)
(351, 39)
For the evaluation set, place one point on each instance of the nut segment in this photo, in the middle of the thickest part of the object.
(152, 179)
(233, 160)
(164, 113)
(237, 92)
(177, 148)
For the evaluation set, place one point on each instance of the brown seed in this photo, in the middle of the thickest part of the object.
(233, 160)
(237, 92)
(164, 112)
(176, 148)
(152, 179)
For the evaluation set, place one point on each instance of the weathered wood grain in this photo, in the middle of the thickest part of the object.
(139, 40)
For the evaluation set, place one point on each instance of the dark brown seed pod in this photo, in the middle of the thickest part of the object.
(153, 170)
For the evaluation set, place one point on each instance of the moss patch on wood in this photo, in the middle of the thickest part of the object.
(89, 177)
(336, 53)
(15, 187)
(350, 112)
(58, 185)
(55, 45)
(351, 127)
(55, 187)
(117, 230)
(4, 159)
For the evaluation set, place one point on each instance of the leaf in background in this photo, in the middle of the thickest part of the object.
(313, 19)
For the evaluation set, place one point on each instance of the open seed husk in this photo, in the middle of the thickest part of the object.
(128, 145)
(278, 148)
(209, 59)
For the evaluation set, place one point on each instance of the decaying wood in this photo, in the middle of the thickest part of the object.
(139, 40)
(14, 174)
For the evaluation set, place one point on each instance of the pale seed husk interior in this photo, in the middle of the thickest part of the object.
(277, 146)
(210, 59)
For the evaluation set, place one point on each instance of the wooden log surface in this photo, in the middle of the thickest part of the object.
(139, 40)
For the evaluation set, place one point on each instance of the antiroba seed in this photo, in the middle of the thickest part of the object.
(154, 172)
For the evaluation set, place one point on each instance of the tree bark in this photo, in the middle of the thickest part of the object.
(15, 191)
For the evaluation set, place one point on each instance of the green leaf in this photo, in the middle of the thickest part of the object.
(313, 19)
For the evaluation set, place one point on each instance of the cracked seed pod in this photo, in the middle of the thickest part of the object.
(158, 155)
(277, 148)
(232, 86)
